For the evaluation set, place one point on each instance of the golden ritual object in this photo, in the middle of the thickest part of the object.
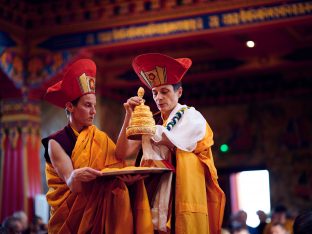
(142, 121)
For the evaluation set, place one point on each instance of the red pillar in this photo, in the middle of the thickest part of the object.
(20, 177)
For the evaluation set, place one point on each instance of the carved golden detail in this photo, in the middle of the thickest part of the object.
(142, 121)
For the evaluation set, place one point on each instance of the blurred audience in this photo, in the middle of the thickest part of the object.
(3, 230)
(18, 224)
(240, 230)
(12, 225)
(38, 226)
(22, 216)
(278, 228)
(279, 215)
(225, 231)
(303, 223)
(238, 220)
(263, 221)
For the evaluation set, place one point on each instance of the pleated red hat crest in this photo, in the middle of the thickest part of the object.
(155, 69)
(78, 80)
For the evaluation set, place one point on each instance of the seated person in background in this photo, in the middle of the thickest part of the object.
(278, 228)
(225, 231)
(279, 215)
(22, 216)
(81, 201)
(38, 226)
(263, 221)
(240, 230)
(12, 225)
(239, 219)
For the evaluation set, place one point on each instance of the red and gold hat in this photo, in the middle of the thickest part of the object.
(158, 69)
(78, 80)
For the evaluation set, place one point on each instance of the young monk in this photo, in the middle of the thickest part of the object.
(81, 200)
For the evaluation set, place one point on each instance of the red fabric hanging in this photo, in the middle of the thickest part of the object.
(33, 170)
(13, 190)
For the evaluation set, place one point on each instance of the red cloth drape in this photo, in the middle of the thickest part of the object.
(21, 177)
(33, 170)
(12, 176)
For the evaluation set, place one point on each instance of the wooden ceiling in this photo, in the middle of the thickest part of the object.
(224, 69)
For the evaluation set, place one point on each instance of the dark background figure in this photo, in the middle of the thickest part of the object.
(239, 221)
(263, 221)
(38, 226)
(3, 230)
(12, 225)
(303, 223)
(23, 218)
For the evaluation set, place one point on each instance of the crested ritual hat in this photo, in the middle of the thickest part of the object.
(156, 69)
(78, 80)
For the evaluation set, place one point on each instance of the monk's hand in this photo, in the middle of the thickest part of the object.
(80, 175)
(85, 174)
(130, 179)
(131, 103)
(166, 142)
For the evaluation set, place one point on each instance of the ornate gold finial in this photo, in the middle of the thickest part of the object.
(141, 92)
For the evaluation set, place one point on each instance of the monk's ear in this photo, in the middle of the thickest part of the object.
(180, 91)
(69, 106)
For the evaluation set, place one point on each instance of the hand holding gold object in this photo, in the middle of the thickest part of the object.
(142, 121)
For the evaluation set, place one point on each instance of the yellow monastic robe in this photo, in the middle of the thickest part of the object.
(200, 201)
(104, 204)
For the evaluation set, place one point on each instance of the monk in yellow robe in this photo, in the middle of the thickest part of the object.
(184, 138)
(81, 200)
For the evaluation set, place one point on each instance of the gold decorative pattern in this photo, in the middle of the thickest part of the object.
(135, 132)
(155, 77)
(87, 83)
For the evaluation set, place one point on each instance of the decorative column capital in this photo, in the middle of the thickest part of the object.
(16, 113)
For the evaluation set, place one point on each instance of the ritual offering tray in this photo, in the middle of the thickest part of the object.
(133, 170)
